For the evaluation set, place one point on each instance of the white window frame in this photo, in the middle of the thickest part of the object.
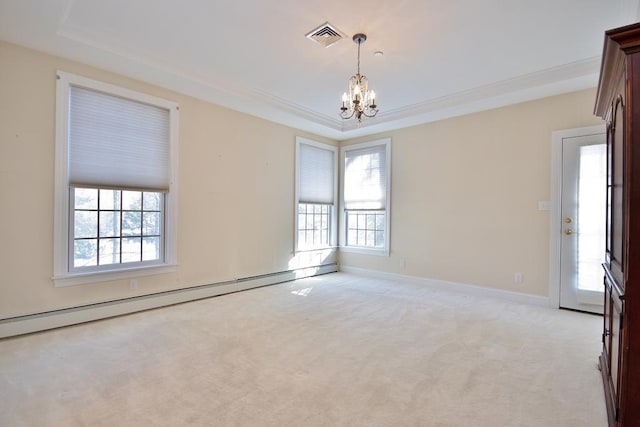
(334, 208)
(63, 275)
(386, 142)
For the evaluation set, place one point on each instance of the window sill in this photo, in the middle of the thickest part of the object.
(106, 276)
(365, 251)
(323, 249)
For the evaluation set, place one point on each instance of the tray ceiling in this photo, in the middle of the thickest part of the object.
(441, 58)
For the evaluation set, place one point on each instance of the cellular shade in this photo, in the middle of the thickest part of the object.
(316, 179)
(117, 142)
(365, 178)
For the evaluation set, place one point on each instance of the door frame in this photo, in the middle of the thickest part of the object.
(555, 214)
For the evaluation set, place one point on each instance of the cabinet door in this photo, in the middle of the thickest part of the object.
(615, 190)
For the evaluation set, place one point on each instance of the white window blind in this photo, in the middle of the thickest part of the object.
(117, 142)
(316, 174)
(365, 178)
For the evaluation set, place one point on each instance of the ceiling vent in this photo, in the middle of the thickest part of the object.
(326, 35)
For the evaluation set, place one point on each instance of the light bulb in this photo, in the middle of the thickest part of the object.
(356, 92)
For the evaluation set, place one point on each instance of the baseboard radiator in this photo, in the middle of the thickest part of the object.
(70, 316)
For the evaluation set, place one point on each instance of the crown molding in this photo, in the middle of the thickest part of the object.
(572, 76)
(232, 94)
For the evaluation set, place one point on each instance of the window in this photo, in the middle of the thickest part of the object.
(316, 188)
(115, 227)
(365, 196)
(115, 186)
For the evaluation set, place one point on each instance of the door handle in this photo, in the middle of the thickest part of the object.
(568, 220)
(568, 232)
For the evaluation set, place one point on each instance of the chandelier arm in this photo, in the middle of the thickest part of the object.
(344, 116)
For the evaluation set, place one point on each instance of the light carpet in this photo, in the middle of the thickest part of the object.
(335, 350)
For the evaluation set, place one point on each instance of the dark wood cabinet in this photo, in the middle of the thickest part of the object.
(618, 103)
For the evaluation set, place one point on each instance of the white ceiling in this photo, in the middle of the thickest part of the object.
(441, 57)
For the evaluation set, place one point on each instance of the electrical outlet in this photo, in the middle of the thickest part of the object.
(133, 284)
(517, 277)
(544, 205)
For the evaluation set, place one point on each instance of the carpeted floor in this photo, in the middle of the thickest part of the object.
(336, 350)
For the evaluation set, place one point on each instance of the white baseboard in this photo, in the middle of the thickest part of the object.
(71, 316)
(444, 285)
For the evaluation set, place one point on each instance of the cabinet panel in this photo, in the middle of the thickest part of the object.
(611, 359)
(606, 334)
(616, 328)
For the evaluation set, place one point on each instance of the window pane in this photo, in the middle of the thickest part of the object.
(352, 237)
(109, 251)
(302, 208)
(151, 201)
(379, 238)
(352, 221)
(131, 249)
(85, 224)
(371, 238)
(109, 223)
(85, 198)
(131, 222)
(380, 222)
(151, 223)
(85, 252)
(592, 185)
(109, 199)
(131, 200)
(371, 222)
(150, 248)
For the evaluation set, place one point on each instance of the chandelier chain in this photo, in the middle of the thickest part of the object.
(359, 43)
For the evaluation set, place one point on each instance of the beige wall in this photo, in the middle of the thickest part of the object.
(236, 189)
(465, 192)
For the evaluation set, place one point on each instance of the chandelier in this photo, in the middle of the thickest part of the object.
(359, 100)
